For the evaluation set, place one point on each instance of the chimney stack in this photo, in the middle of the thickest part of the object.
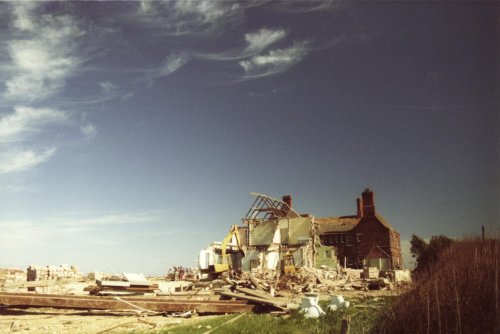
(288, 200)
(368, 203)
(359, 206)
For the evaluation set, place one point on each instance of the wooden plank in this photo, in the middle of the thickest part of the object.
(262, 295)
(34, 284)
(113, 284)
(280, 305)
(157, 304)
(255, 282)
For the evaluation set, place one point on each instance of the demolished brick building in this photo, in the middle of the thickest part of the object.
(276, 231)
(272, 229)
(364, 239)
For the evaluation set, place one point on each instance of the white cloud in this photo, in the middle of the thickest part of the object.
(107, 87)
(275, 61)
(22, 15)
(108, 219)
(25, 121)
(54, 229)
(255, 42)
(183, 17)
(206, 10)
(88, 130)
(307, 6)
(172, 64)
(263, 38)
(20, 146)
(204, 16)
(42, 56)
(18, 161)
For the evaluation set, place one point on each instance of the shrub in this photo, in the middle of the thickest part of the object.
(457, 293)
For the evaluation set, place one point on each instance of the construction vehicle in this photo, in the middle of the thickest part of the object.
(224, 265)
(288, 264)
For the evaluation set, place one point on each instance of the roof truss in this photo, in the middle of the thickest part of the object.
(265, 207)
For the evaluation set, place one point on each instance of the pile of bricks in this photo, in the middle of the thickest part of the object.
(39, 273)
(11, 275)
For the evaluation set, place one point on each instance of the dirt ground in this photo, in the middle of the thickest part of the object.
(60, 321)
(54, 321)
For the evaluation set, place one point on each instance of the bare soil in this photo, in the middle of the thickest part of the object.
(60, 321)
(55, 321)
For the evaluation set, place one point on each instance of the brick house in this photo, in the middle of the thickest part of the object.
(364, 239)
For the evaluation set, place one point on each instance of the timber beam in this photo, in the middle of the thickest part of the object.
(156, 304)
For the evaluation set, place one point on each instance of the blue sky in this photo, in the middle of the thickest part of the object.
(132, 133)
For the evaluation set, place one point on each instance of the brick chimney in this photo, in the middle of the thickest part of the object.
(288, 200)
(368, 206)
(359, 205)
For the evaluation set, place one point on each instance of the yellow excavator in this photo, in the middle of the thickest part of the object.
(223, 266)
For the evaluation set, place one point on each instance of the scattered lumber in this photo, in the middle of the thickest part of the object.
(275, 303)
(154, 304)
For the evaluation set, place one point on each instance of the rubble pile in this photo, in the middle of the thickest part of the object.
(102, 276)
(279, 290)
(11, 275)
(125, 284)
(272, 291)
(47, 273)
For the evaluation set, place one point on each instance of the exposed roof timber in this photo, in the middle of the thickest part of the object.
(266, 207)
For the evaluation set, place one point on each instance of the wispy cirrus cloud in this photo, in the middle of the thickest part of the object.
(25, 121)
(202, 21)
(255, 42)
(42, 52)
(274, 62)
(106, 219)
(22, 160)
(17, 128)
(107, 87)
(172, 63)
(19, 148)
(75, 226)
(262, 39)
(184, 17)
(300, 7)
(88, 130)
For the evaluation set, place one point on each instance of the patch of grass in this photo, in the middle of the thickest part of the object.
(362, 320)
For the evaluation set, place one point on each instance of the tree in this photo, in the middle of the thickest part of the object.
(428, 253)
(418, 246)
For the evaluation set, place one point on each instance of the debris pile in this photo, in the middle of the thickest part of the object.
(62, 272)
(281, 292)
(126, 284)
(11, 275)
(261, 290)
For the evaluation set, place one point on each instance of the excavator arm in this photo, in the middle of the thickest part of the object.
(224, 265)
